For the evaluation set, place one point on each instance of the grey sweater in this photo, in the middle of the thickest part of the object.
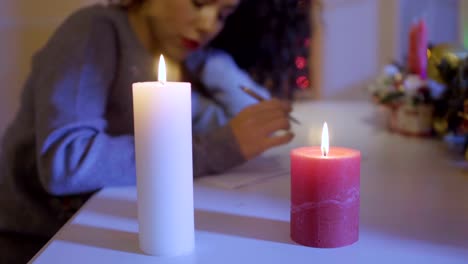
(73, 133)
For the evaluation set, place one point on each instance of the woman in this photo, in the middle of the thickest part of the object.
(73, 134)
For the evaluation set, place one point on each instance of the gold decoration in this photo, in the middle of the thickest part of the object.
(451, 53)
(440, 125)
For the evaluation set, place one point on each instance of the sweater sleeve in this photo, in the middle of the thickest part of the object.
(71, 78)
(223, 79)
(215, 151)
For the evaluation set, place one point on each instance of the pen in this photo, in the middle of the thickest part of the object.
(260, 99)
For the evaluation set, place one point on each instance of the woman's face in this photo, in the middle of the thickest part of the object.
(179, 27)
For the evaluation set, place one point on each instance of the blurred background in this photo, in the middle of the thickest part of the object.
(351, 43)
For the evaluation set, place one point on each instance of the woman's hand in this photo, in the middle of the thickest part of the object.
(255, 127)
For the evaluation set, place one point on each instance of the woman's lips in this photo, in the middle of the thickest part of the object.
(190, 44)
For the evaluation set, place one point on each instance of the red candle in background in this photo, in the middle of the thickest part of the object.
(325, 195)
(417, 49)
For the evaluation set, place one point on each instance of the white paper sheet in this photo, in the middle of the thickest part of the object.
(252, 172)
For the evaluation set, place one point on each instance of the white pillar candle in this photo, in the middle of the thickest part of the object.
(163, 150)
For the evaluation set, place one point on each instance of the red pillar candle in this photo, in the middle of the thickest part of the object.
(417, 49)
(325, 195)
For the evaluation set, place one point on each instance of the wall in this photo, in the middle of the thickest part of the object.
(350, 47)
(25, 26)
(464, 22)
(441, 17)
(389, 40)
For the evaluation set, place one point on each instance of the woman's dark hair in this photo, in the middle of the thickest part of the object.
(267, 38)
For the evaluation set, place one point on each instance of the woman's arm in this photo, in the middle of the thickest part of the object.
(71, 79)
(222, 79)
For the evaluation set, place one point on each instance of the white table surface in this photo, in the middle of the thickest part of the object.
(414, 205)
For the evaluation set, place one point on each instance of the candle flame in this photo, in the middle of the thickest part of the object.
(162, 70)
(325, 146)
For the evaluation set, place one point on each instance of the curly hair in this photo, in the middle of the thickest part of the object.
(265, 37)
